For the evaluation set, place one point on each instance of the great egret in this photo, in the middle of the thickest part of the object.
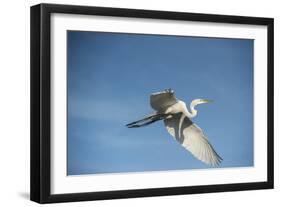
(176, 118)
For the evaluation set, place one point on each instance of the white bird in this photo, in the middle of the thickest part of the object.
(176, 118)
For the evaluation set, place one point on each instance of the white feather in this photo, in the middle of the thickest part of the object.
(192, 138)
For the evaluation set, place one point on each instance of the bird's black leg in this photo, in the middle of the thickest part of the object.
(144, 124)
(142, 120)
(150, 121)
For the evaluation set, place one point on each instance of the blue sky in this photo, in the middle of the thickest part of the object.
(110, 78)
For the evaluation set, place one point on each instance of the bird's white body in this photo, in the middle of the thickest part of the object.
(177, 117)
(178, 107)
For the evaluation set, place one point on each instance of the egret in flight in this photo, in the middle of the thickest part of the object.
(177, 119)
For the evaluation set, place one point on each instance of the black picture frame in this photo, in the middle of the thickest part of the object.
(40, 184)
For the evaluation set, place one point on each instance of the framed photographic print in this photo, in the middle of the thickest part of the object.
(132, 103)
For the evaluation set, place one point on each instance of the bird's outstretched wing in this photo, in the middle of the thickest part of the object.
(160, 101)
(193, 139)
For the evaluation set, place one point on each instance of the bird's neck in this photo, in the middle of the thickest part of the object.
(192, 113)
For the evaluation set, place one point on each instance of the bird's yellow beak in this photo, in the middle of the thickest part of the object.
(207, 101)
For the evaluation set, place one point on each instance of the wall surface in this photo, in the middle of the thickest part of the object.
(14, 110)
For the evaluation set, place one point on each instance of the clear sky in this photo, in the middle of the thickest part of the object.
(110, 78)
